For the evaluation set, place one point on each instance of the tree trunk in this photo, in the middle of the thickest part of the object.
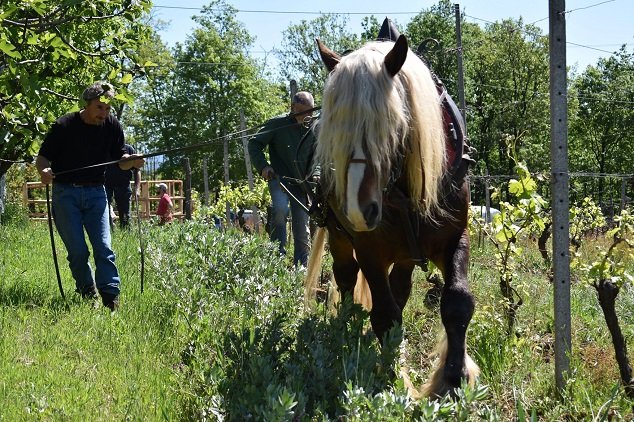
(511, 306)
(188, 189)
(607, 293)
(541, 244)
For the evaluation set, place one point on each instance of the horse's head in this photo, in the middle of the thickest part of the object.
(381, 120)
(361, 129)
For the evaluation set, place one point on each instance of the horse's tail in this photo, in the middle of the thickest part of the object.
(314, 266)
(436, 386)
(362, 293)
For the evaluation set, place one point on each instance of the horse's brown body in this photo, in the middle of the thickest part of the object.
(377, 225)
(387, 261)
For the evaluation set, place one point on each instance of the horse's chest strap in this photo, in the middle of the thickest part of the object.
(411, 225)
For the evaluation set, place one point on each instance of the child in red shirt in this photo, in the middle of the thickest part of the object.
(164, 210)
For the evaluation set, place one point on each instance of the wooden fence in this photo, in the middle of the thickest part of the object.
(34, 198)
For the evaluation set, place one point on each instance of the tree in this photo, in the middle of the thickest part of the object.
(507, 95)
(196, 97)
(144, 121)
(49, 51)
(435, 29)
(601, 131)
(299, 57)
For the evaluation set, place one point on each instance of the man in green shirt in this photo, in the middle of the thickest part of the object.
(282, 135)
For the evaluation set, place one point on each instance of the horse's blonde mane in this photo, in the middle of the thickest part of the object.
(364, 106)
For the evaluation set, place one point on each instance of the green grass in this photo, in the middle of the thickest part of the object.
(78, 362)
(220, 332)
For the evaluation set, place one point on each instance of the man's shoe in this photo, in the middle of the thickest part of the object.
(88, 294)
(113, 306)
(110, 302)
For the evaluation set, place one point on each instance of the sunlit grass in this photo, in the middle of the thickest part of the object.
(78, 362)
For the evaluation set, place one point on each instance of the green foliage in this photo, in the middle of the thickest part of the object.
(299, 57)
(438, 23)
(49, 51)
(245, 310)
(79, 362)
(523, 217)
(514, 222)
(394, 405)
(220, 333)
(506, 68)
(490, 341)
(241, 197)
(600, 134)
(16, 176)
(251, 348)
(14, 213)
(612, 264)
(293, 349)
(199, 94)
(584, 219)
(601, 130)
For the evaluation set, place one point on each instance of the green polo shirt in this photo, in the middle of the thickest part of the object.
(282, 135)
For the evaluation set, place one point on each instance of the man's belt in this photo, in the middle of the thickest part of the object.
(82, 184)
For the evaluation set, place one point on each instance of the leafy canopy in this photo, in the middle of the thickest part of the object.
(49, 51)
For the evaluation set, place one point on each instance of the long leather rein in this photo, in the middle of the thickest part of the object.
(153, 154)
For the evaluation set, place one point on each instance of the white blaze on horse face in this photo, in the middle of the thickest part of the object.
(356, 171)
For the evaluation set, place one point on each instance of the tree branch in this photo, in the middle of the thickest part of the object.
(75, 49)
(42, 24)
(57, 94)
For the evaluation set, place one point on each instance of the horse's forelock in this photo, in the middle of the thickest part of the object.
(359, 110)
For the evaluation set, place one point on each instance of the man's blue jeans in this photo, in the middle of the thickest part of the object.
(299, 220)
(75, 209)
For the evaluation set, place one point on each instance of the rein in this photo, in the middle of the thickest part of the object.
(153, 154)
(50, 230)
(141, 245)
(230, 136)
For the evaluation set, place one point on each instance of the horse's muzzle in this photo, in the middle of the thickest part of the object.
(366, 218)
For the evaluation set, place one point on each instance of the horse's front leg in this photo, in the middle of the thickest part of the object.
(456, 309)
(385, 311)
(401, 282)
(344, 266)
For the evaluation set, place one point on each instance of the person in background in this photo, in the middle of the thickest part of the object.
(164, 210)
(84, 138)
(282, 135)
(118, 186)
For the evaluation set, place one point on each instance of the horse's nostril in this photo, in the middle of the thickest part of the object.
(371, 214)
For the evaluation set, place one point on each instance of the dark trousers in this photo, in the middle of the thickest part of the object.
(121, 196)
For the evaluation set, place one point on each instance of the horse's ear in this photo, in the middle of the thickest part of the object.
(396, 57)
(329, 57)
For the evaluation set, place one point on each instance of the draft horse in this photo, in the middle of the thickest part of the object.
(393, 196)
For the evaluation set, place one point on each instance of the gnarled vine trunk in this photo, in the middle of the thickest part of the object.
(607, 293)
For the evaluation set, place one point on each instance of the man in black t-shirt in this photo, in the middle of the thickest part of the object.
(118, 186)
(86, 138)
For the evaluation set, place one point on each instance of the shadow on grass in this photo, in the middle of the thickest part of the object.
(23, 295)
